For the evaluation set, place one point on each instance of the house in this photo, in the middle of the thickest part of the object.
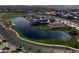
(43, 21)
(39, 21)
(52, 20)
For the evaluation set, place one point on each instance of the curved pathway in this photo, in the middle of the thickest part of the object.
(31, 46)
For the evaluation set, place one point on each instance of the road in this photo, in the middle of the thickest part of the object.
(12, 38)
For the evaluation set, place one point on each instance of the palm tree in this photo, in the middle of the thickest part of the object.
(4, 41)
(6, 48)
(0, 43)
(20, 48)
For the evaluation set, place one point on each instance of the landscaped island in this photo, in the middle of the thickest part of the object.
(72, 36)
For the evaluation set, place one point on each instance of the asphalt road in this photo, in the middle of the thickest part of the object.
(29, 47)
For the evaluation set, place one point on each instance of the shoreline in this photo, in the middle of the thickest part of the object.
(38, 43)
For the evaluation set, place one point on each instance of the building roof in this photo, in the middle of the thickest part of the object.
(43, 20)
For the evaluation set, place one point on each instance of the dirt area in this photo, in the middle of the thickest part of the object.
(58, 25)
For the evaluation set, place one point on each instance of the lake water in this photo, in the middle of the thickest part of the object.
(23, 25)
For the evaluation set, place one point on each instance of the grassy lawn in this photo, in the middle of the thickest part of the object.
(65, 29)
(43, 27)
(12, 15)
(72, 42)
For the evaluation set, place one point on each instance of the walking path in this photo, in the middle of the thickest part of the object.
(42, 44)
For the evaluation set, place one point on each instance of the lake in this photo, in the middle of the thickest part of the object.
(22, 25)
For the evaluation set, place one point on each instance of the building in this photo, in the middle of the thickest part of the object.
(52, 20)
(43, 21)
(39, 21)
